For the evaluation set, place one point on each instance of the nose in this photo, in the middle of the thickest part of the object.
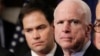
(66, 27)
(36, 35)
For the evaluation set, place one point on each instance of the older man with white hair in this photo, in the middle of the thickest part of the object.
(72, 22)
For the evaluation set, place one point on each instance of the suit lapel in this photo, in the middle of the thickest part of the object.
(58, 52)
(28, 54)
(91, 51)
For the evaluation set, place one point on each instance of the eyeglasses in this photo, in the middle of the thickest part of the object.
(97, 27)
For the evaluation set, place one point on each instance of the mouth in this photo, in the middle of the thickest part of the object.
(38, 43)
(66, 38)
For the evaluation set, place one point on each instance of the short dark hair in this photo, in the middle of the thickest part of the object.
(37, 5)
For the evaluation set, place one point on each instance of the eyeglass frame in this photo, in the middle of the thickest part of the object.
(94, 27)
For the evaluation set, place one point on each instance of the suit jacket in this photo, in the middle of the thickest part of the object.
(21, 49)
(58, 52)
(8, 32)
(92, 51)
(4, 52)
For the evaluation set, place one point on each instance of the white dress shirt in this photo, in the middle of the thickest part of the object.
(52, 52)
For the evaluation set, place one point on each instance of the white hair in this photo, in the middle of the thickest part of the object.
(87, 12)
(85, 8)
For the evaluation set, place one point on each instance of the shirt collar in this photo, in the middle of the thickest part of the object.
(81, 53)
(52, 52)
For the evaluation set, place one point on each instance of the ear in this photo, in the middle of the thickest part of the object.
(88, 29)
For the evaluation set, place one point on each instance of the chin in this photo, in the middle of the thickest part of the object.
(38, 48)
(98, 47)
(66, 46)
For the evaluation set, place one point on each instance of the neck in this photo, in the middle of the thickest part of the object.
(67, 52)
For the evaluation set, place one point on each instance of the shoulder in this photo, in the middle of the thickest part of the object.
(91, 51)
(4, 52)
(21, 49)
(28, 54)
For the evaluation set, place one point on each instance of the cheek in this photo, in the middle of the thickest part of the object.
(79, 38)
(78, 33)
(46, 34)
(28, 38)
(57, 34)
(97, 40)
(58, 31)
(97, 36)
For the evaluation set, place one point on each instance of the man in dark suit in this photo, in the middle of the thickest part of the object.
(72, 23)
(6, 29)
(37, 18)
(95, 46)
(97, 27)
(96, 38)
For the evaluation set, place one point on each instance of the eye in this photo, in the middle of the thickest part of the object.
(97, 27)
(28, 30)
(74, 21)
(60, 22)
(41, 27)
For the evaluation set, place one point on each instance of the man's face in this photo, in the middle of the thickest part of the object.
(97, 27)
(97, 33)
(70, 28)
(38, 32)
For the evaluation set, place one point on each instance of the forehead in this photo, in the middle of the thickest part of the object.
(69, 11)
(98, 11)
(34, 19)
(98, 14)
(35, 15)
